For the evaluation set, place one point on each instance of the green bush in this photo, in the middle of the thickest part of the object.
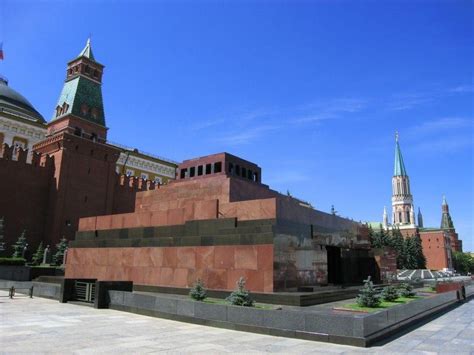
(240, 297)
(12, 261)
(368, 295)
(198, 291)
(38, 256)
(390, 293)
(406, 290)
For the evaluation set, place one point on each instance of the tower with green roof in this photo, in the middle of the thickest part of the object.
(446, 221)
(84, 164)
(403, 215)
(80, 108)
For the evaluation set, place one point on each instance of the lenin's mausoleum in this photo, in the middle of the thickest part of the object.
(218, 222)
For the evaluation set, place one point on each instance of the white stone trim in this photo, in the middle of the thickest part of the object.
(146, 166)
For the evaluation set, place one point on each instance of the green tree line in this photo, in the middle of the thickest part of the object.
(409, 249)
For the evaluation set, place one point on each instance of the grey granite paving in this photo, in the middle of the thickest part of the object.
(45, 326)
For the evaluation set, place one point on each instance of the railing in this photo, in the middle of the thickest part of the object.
(12, 291)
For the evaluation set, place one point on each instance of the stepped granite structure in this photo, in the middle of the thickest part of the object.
(218, 222)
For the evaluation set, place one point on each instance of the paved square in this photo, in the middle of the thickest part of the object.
(46, 326)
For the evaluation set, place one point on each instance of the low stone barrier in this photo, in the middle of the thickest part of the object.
(40, 289)
(27, 273)
(358, 329)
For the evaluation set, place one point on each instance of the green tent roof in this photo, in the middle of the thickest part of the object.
(399, 168)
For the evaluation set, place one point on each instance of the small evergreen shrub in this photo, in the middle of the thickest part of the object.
(389, 294)
(198, 292)
(368, 295)
(240, 297)
(60, 250)
(20, 245)
(38, 256)
(406, 290)
(12, 261)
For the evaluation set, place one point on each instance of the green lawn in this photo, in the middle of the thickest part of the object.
(383, 305)
(224, 302)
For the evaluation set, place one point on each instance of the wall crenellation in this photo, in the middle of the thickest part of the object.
(21, 155)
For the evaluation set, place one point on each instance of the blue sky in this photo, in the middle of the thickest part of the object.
(311, 91)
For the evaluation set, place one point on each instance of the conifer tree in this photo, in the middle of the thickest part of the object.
(20, 245)
(198, 292)
(368, 295)
(400, 247)
(60, 249)
(38, 256)
(240, 297)
(389, 293)
(420, 257)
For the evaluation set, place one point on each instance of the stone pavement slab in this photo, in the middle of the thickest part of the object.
(44, 326)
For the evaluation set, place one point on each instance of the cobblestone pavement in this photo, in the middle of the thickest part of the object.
(45, 326)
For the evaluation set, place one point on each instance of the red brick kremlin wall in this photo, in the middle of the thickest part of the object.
(24, 195)
(436, 249)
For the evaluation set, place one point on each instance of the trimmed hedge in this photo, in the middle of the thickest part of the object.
(12, 261)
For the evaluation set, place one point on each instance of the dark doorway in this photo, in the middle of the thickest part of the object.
(334, 265)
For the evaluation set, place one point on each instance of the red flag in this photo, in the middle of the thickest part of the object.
(1, 50)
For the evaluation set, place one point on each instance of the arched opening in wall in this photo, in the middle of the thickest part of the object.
(399, 217)
(408, 217)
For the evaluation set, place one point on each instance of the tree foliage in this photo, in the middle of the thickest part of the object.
(61, 247)
(463, 262)
(38, 255)
(390, 293)
(409, 250)
(368, 295)
(198, 292)
(241, 297)
(20, 245)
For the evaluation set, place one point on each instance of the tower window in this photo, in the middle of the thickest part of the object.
(200, 170)
(217, 167)
(244, 172)
(237, 170)
(208, 169)
(231, 169)
(87, 69)
(78, 131)
(183, 173)
(192, 171)
(96, 74)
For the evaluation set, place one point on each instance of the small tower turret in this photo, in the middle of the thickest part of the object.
(446, 221)
(385, 218)
(420, 218)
